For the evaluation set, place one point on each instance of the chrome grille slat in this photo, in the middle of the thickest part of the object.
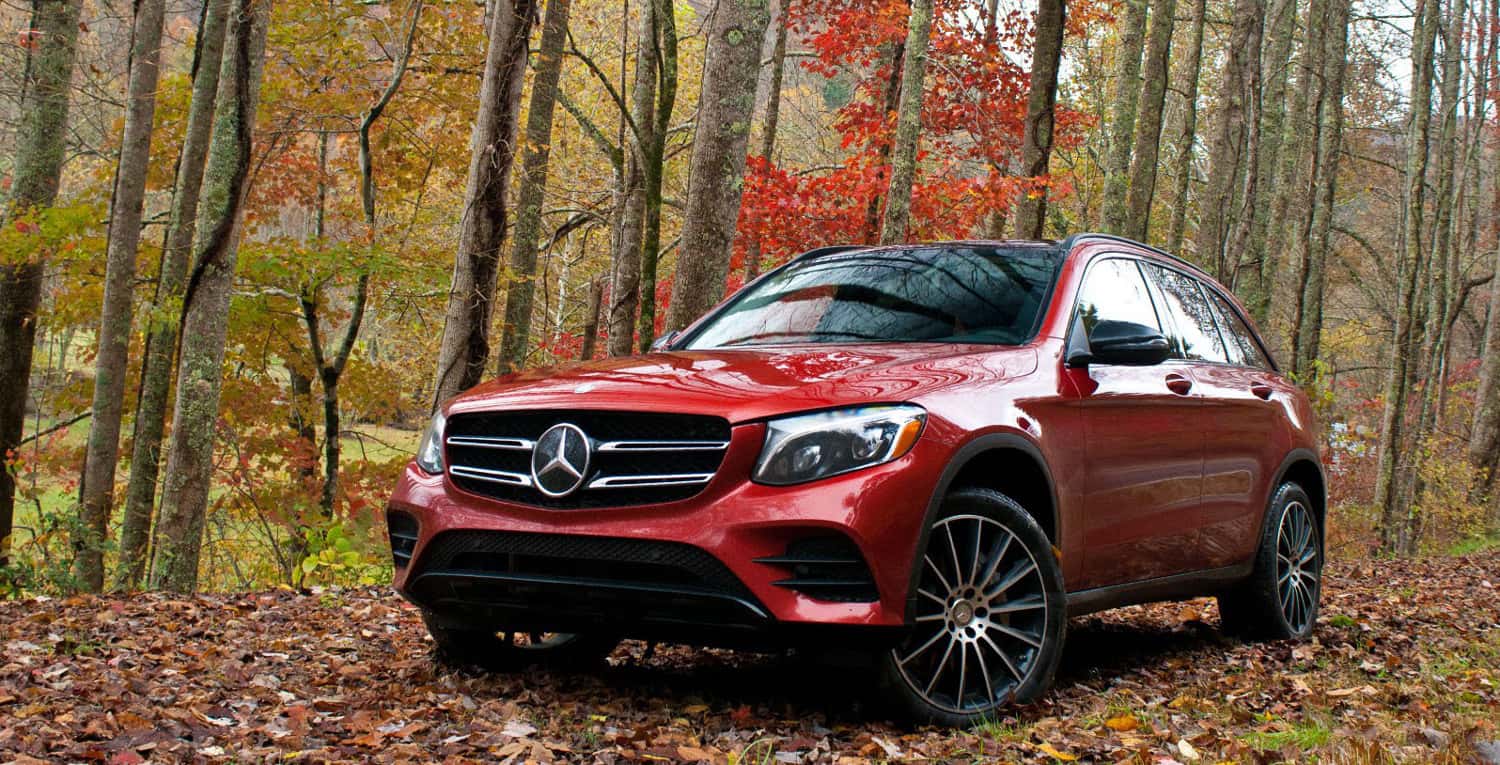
(638, 481)
(662, 446)
(492, 476)
(488, 442)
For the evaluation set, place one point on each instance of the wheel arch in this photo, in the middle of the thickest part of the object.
(1303, 468)
(1005, 462)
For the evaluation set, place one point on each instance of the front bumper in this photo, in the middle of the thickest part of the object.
(694, 570)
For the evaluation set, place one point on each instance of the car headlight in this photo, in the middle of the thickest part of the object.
(807, 447)
(430, 449)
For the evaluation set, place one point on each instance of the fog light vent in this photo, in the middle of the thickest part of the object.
(403, 531)
(825, 568)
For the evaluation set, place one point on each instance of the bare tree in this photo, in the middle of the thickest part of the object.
(770, 122)
(1153, 98)
(1123, 110)
(716, 169)
(35, 176)
(653, 161)
(1395, 452)
(205, 318)
(97, 489)
(1187, 134)
(465, 348)
(161, 321)
(638, 125)
(908, 124)
(1242, 57)
(1041, 107)
(515, 333)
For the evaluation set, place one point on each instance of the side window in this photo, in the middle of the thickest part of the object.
(1238, 334)
(1197, 336)
(1113, 290)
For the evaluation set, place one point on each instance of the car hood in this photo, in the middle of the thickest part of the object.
(749, 384)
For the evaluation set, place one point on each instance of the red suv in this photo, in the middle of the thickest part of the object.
(937, 451)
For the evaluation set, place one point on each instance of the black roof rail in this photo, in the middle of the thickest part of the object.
(1076, 238)
(830, 249)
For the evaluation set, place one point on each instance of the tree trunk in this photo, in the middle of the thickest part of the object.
(205, 316)
(1275, 67)
(908, 125)
(161, 323)
(892, 98)
(1187, 136)
(591, 321)
(97, 489)
(35, 175)
(1228, 139)
(515, 333)
(465, 348)
(769, 124)
(1442, 261)
(1041, 108)
(625, 291)
(655, 154)
(1394, 450)
(1144, 157)
(1132, 32)
(1297, 158)
(1330, 137)
(716, 170)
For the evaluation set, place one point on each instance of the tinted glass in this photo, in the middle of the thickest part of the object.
(1196, 336)
(1113, 290)
(922, 294)
(1242, 346)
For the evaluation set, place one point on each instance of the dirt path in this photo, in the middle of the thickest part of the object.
(1406, 667)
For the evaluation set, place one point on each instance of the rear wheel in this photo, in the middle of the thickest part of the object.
(1280, 599)
(504, 651)
(990, 616)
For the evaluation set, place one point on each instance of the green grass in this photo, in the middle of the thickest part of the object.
(1303, 735)
(1476, 544)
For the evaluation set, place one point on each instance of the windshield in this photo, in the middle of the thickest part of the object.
(938, 294)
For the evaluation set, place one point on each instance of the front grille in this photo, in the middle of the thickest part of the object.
(555, 577)
(625, 561)
(636, 458)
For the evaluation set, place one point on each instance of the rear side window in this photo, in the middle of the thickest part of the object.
(1243, 349)
(1115, 291)
(1192, 317)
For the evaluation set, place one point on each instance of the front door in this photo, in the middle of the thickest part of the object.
(1143, 444)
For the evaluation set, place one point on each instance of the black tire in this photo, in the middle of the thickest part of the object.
(462, 647)
(1279, 601)
(1005, 607)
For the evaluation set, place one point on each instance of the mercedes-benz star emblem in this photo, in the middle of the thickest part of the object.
(560, 460)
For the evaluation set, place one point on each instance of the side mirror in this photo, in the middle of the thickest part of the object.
(1125, 343)
(664, 342)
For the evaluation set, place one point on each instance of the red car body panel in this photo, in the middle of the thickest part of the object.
(1143, 489)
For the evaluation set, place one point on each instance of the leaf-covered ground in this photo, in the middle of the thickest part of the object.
(1405, 667)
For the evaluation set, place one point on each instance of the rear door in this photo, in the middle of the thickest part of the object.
(1238, 425)
(1244, 400)
(1143, 444)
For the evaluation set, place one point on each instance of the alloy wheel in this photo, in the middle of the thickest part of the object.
(1297, 566)
(981, 617)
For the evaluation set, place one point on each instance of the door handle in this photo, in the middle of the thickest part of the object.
(1262, 391)
(1179, 384)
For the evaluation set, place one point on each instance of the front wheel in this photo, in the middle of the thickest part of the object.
(504, 651)
(990, 617)
(1280, 599)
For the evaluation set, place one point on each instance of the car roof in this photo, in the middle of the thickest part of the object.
(1066, 244)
